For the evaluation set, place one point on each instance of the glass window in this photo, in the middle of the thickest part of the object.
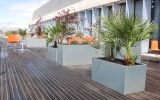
(155, 16)
(110, 9)
(123, 7)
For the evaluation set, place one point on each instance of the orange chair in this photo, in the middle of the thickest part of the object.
(154, 49)
(13, 38)
(154, 46)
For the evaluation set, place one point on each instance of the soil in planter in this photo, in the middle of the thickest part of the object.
(55, 45)
(118, 61)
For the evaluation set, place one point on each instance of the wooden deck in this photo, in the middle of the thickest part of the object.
(27, 76)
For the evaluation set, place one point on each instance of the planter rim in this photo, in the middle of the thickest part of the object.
(74, 45)
(138, 64)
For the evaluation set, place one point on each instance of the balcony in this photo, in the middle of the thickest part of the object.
(32, 76)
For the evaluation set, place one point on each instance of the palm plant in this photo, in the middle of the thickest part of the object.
(8, 33)
(55, 34)
(110, 42)
(22, 32)
(126, 31)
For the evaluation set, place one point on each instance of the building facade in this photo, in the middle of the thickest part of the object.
(92, 10)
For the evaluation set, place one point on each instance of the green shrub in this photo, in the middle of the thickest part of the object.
(22, 32)
(125, 31)
(74, 43)
(85, 42)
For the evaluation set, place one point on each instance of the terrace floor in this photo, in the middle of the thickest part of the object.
(31, 76)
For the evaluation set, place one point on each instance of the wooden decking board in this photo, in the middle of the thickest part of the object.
(113, 95)
(74, 75)
(27, 90)
(79, 90)
(27, 76)
(41, 87)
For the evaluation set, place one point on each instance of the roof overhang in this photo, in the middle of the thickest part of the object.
(80, 6)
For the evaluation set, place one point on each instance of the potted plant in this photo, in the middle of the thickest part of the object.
(72, 53)
(37, 38)
(55, 34)
(22, 33)
(122, 75)
(54, 37)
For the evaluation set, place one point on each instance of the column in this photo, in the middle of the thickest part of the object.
(87, 22)
(95, 16)
(129, 7)
(116, 7)
(81, 18)
(104, 11)
(146, 15)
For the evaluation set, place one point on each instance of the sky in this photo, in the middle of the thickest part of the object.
(17, 13)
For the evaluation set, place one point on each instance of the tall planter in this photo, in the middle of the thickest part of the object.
(121, 78)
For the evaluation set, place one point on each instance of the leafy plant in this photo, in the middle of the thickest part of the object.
(39, 30)
(79, 34)
(85, 42)
(22, 32)
(69, 20)
(122, 30)
(74, 43)
(110, 42)
(38, 27)
(8, 32)
(55, 34)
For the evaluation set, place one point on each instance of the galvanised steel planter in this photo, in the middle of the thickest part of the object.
(121, 78)
(36, 42)
(74, 54)
(52, 53)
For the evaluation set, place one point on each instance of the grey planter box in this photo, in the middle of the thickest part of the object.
(35, 42)
(52, 53)
(123, 79)
(73, 54)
